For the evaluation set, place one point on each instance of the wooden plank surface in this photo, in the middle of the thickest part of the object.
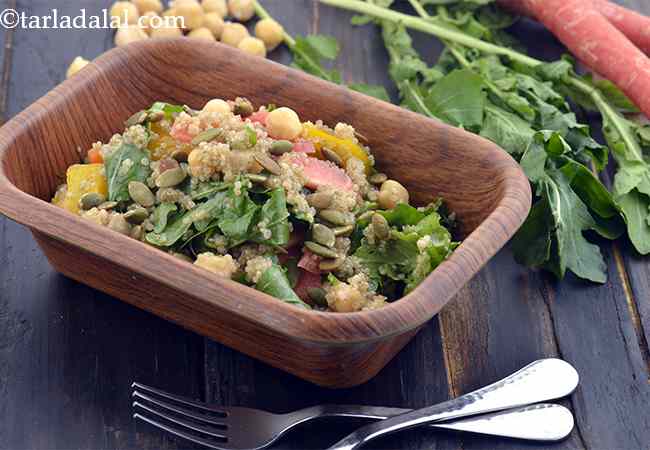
(68, 353)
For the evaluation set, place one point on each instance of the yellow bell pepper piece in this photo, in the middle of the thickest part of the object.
(164, 145)
(345, 148)
(82, 179)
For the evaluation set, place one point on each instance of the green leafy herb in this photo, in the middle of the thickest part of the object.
(274, 282)
(251, 134)
(167, 108)
(161, 215)
(125, 164)
(275, 216)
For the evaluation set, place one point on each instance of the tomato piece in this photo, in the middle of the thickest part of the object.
(344, 148)
(95, 156)
(302, 146)
(322, 173)
(259, 117)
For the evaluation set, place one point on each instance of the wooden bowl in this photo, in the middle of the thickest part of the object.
(478, 181)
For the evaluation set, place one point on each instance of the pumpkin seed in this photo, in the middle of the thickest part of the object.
(378, 178)
(323, 235)
(320, 250)
(243, 107)
(268, 163)
(190, 111)
(332, 156)
(328, 265)
(317, 295)
(281, 147)
(320, 200)
(255, 178)
(156, 116)
(107, 206)
(136, 216)
(380, 226)
(171, 178)
(91, 200)
(365, 216)
(343, 231)
(137, 232)
(136, 119)
(336, 217)
(119, 224)
(205, 136)
(141, 194)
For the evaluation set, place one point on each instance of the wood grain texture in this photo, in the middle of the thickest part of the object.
(479, 182)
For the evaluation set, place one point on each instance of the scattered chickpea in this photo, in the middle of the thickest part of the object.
(146, 21)
(270, 31)
(224, 266)
(145, 6)
(128, 34)
(253, 46)
(213, 22)
(233, 33)
(202, 33)
(242, 10)
(77, 64)
(283, 123)
(217, 105)
(191, 12)
(166, 31)
(125, 11)
(392, 193)
(215, 6)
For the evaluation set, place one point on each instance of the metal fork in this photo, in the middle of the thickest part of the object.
(236, 428)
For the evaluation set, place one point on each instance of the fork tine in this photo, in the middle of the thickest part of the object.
(178, 421)
(178, 398)
(180, 410)
(180, 433)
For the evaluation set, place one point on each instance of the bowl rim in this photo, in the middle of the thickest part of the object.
(401, 316)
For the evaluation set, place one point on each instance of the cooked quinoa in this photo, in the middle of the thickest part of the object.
(294, 209)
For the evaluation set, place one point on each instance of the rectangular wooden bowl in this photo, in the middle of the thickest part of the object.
(479, 182)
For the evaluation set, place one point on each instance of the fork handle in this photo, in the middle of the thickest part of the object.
(542, 380)
(540, 422)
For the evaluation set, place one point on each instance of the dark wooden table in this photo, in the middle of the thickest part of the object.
(68, 353)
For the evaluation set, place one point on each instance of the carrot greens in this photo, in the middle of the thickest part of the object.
(485, 84)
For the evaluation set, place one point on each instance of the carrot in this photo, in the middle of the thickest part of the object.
(598, 44)
(635, 26)
(95, 156)
(632, 24)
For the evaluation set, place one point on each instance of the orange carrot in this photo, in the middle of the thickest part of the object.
(598, 44)
(635, 26)
(632, 24)
(95, 156)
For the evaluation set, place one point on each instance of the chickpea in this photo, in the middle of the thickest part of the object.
(145, 6)
(215, 6)
(77, 64)
(217, 105)
(166, 31)
(201, 33)
(270, 32)
(125, 13)
(213, 22)
(283, 123)
(224, 266)
(148, 20)
(233, 33)
(242, 10)
(253, 46)
(392, 193)
(128, 34)
(191, 12)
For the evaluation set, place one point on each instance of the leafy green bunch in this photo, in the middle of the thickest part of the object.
(483, 82)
